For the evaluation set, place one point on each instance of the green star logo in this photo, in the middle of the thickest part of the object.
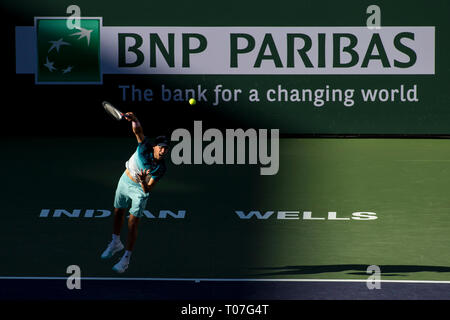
(68, 54)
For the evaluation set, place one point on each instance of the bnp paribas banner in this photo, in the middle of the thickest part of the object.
(380, 76)
(58, 52)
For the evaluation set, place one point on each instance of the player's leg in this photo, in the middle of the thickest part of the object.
(115, 245)
(133, 223)
(139, 201)
(119, 216)
(121, 202)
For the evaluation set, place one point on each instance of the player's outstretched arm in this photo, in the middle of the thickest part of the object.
(136, 125)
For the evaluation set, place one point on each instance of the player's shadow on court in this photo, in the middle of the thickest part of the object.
(354, 269)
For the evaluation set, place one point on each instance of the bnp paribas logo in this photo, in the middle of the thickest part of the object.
(68, 54)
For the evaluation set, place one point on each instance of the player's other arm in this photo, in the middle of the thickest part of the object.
(146, 186)
(136, 126)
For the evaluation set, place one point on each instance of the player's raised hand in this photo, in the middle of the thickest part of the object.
(130, 116)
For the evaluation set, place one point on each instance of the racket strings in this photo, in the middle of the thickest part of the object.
(116, 114)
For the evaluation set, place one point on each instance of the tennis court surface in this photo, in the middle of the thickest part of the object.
(336, 207)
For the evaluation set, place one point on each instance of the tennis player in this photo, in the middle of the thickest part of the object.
(143, 170)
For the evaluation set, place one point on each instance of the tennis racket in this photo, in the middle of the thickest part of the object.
(112, 111)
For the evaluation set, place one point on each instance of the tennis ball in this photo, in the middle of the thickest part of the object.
(192, 101)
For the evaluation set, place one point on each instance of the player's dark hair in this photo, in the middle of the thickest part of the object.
(161, 139)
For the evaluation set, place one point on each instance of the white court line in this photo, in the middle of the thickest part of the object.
(225, 279)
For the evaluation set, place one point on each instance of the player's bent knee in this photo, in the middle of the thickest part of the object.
(119, 211)
(133, 221)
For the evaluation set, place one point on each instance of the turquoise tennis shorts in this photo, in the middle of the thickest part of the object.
(130, 195)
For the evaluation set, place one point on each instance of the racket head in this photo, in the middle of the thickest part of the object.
(112, 111)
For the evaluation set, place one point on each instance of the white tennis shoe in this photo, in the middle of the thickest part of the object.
(121, 266)
(113, 247)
